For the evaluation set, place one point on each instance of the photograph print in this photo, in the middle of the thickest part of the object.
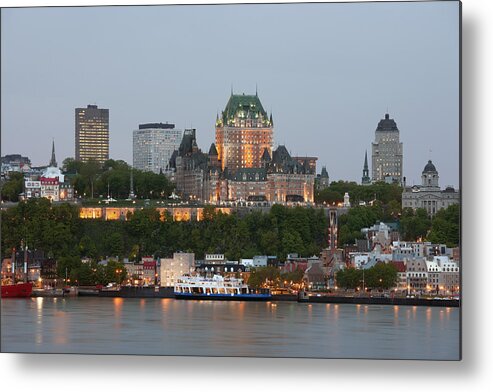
(239, 180)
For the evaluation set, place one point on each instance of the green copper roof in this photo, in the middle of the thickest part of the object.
(244, 107)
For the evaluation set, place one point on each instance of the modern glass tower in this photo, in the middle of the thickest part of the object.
(92, 137)
(153, 145)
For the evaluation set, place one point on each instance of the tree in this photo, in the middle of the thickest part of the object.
(414, 224)
(349, 278)
(381, 191)
(66, 265)
(13, 187)
(295, 277)
(445, 226)
(89, 170)
(264, 276)
(115, 272)
(87, 247)
(381, 275)
(70, 165)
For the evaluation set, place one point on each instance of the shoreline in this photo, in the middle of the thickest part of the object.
(167, 292)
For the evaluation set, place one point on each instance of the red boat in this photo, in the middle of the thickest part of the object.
(20, 290)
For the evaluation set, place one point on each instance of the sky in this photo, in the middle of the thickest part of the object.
(328, 72)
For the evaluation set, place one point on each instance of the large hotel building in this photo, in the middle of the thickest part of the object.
(242, 165)
(92, 138)
(243, 132)
(153, 145)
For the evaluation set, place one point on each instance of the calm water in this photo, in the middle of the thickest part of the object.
(173, 327)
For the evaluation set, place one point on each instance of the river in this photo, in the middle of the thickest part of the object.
(264, 329)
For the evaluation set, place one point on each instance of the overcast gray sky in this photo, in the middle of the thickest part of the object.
(328, 72)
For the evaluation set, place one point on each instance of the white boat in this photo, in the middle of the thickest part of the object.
(217, 288)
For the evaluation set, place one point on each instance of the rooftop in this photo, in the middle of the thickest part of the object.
(387, 124)
(244, 106)
(156, 126)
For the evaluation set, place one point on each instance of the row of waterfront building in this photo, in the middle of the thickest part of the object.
(422, 267)
(416, 275)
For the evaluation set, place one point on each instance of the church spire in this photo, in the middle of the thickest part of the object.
(131, 194)
(53, 162)
(365, 180)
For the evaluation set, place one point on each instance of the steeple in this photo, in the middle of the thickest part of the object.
(131, 194)
(53, 159)
(365, 180)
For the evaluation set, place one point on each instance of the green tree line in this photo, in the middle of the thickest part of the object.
(91, 180)
(380, 276)
(381, 191)
(60, 233)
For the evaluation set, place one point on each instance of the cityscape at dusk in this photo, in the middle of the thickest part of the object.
(304, 167)
(335, 90)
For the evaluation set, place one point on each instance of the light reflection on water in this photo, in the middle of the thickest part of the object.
(275, 329)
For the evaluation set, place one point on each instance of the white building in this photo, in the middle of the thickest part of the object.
(214, 258)
(450, 275)
(50, 183)
(434, 273)
(429, 195)
(153, 145)
(179, 265)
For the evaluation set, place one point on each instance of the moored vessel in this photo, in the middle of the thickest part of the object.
(217, 288)
(19, 290)
(11, 289)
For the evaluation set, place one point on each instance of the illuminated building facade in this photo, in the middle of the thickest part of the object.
(290, 179)
(387, 152)
(153, 145)
(92, 137)
(248, 184)
(243, 132)
(241, 165)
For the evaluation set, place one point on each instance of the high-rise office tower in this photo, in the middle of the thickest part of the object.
(153, 145)
(243, 132)
(387, 152)
(92, 137)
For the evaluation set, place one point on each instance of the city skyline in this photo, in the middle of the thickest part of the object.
(311, 118)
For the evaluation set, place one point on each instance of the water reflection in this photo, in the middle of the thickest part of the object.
(39, 320)
(117, 311)
(428, 316)
(278, 329)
